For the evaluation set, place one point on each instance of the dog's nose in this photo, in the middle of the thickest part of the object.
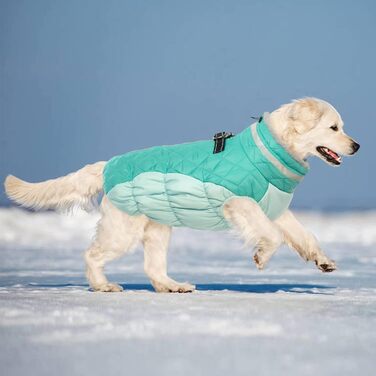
(355, 147)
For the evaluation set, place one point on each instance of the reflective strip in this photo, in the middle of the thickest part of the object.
(270, 157)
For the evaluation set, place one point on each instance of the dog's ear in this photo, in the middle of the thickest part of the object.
(304, 114)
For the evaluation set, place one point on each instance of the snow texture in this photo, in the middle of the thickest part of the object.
(290, 319)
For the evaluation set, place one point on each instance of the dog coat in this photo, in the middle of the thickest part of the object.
(188, 185)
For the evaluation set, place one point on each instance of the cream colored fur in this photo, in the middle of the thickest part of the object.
(78, 189)
(300, 126)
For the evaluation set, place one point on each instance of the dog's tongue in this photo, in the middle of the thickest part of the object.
(332, 154)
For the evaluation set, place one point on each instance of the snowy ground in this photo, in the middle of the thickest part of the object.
(287, 320)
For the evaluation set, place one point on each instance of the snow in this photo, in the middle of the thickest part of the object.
(290, 319)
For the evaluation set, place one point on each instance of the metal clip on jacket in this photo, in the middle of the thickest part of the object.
(220, 140)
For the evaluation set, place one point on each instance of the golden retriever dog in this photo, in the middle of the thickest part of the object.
(304, 128)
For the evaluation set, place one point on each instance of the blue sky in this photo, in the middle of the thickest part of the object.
(82, 81)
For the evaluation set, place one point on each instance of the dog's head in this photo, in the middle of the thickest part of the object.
(314, 127)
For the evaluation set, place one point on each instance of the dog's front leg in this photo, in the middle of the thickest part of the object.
(255, 227)
(304, 242)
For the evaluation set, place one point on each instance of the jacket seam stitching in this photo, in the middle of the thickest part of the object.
(169, 202)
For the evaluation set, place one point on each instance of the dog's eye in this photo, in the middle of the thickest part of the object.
(334, 127)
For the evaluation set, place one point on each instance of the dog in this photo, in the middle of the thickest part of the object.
(300, 129)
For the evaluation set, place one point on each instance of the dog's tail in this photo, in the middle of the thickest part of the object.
(78, 189)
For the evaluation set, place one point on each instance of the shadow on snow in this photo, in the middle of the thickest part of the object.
(246, 288)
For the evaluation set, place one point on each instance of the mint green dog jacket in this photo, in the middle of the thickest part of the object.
(188, 185)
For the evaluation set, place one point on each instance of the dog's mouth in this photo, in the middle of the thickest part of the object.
(329, 155)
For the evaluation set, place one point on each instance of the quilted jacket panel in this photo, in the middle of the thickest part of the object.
(240, 170)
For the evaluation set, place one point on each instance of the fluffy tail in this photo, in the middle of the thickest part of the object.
(78, 189)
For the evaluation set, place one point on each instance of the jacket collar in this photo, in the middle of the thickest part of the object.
(273, 161)
(277, 150)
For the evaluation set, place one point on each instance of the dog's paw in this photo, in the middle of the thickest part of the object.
(174, 287)
(183, 287)
(108, 287)
(260, 259)
(326, 266)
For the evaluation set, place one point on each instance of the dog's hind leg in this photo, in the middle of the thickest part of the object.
(117, 233)
(156, 240)
(255, 227)
(298, 238)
